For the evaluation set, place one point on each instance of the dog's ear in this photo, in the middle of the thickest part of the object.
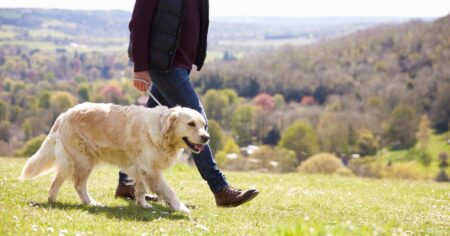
(169, 119)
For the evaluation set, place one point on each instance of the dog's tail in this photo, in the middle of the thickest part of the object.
(43, 160)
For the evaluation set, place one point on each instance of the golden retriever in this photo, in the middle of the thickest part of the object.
(141, 141)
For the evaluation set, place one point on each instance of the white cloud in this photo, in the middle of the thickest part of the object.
(271, 7)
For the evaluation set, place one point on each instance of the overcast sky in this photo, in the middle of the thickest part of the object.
(414, 8)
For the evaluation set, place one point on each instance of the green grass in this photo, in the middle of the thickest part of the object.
(290, 204)
(437, 145)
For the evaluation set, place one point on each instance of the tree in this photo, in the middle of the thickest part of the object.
(44, 100)
(443, 163)
(366, 143)
(272, 138)
(333, 133)
(423, 133)
(401, 127)
(265, 101)
(231, 146)
(217, 137)
(242, 124)
(215, 103)
(111, 93)
(278, 100)
(441, 110)
(83, 93)
(425, 157)
(300, 138)
(31, 146)
(3, 111)
(61, 101)
(4, 132)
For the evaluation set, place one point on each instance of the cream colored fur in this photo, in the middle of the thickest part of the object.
(141, 141)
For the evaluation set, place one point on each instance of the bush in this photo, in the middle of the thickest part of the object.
(402, 171)
(367, 143)
(323, 163)
(344, 172)
(276, 159)
(300, 138)
(423, 156)
(366, 167)
(31, 146)
(244, 164)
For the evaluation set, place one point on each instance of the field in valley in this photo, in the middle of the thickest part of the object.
(289, 204)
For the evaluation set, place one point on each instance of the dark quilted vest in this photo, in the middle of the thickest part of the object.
(165, 34)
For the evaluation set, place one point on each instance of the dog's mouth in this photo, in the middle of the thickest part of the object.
(196, 148)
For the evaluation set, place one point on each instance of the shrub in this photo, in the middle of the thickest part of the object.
(402, 171)
(423, 156)
(300, 138)
(324, 163)
(367, 143)
(344, 172)
(366, 167)
(276, 159)
(31, 146)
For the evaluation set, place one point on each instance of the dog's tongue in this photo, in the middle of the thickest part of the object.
(199, 147)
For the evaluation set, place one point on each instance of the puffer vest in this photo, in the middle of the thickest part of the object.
(166, 30)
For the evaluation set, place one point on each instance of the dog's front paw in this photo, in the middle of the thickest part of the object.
(182, 208)
(144, 205)
(95, 203)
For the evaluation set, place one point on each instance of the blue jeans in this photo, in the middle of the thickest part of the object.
(174, 88)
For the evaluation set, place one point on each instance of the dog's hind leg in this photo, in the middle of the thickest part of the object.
(140, 193)
(80, 177)
(56, 185)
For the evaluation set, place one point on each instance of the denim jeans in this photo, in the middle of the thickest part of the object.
(174, 88)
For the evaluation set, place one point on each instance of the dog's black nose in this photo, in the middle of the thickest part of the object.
(205, 138)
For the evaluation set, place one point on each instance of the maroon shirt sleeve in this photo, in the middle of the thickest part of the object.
(139, 26)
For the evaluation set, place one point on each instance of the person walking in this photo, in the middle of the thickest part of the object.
(168, 37)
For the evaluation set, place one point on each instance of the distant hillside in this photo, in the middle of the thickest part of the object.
(395, 64)
(67, 30)
(74, 23)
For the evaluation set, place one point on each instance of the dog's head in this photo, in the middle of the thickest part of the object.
(185, 126)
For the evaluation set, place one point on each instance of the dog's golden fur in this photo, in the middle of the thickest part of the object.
(141, 141)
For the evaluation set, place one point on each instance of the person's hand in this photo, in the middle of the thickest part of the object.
(142, 81)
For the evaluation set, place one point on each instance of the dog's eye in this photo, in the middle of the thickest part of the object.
(192, 124)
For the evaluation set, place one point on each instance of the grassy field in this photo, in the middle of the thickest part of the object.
(290, 204)
(437, 145)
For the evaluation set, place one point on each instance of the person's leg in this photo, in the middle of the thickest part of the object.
(124, 188)
(175, 89)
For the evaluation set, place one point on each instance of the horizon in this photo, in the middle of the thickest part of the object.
(283, 8)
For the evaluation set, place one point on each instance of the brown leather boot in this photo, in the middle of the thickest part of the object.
(231, 197)
(127, 192)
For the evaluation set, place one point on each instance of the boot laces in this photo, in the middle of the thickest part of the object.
(234, 191)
